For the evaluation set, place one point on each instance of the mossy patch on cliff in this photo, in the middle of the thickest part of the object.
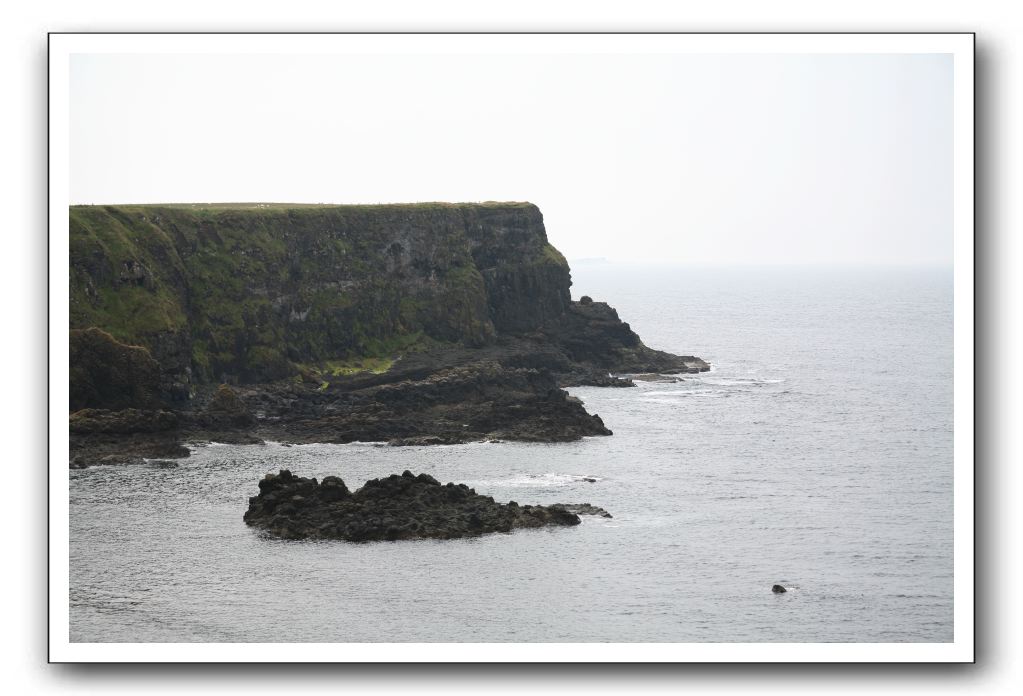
(123, 278)
(553, 256)
(376, 366)
(379, 357)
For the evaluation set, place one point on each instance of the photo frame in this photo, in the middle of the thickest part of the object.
(960, 47)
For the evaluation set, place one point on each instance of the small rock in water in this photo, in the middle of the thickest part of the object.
(581, 509)
(163, 464)
(778, 589)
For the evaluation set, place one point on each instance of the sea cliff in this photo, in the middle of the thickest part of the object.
(247, 293)
(413, 323)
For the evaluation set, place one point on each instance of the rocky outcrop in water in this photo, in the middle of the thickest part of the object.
(582, 508)
(592, 336)
(127, 436)
(388, 509)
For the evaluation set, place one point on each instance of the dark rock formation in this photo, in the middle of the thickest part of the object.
(226, 410)
(163, 464)
(99, 436)
(582, 508)
(526, 280)
(392, 508)
(108, 374)
(593, 378)
(778, 589)
(591, 335)
(478, 401)
(135, 448)
(129, 420)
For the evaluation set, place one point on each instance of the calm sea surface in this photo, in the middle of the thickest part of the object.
(816, 454)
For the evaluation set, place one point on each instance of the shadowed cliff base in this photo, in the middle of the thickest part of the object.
(407, 324)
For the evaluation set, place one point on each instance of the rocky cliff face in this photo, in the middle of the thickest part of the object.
(526, 279)
(105, 371)
(253, 292)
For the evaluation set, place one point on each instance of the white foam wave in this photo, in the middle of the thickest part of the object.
(538, 481)
(740, 381)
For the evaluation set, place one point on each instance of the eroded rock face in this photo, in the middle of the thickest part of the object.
(591, 334)
(388, 509)
(108, 374)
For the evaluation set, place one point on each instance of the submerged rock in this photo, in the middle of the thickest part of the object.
(582, 508)
(163, 464)
(391, 508)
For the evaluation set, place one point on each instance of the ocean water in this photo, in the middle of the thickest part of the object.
(817, 454)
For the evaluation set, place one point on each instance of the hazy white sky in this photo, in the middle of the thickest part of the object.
(689, 158)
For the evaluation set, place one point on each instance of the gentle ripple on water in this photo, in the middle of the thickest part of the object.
(816, 454)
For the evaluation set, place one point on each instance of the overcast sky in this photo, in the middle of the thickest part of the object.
(688, 158)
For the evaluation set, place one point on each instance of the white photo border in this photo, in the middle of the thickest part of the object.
(959, 45)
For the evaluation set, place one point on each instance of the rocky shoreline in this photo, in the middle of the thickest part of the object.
(511, 390)
(393, 508)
